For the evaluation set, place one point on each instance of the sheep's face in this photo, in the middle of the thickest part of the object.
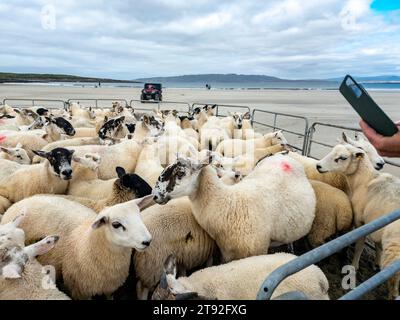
(13, 257)
(342, 158)
(60, 161)
(277, 137)
(376, 160)
(210, 110)
(10, 233)
(177, 180)
(18, 154)
(89, 160)
(239, 117)
(153, 124)
(170, 288)
(62, 125)
(123, 224)
(111, 127)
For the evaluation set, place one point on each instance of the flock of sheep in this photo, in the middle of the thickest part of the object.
(187, 205)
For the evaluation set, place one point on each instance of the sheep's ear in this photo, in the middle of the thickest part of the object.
(41, 153)
(120, 172)
(144, 201)
(247, 116)
(11, 271)
(205, 107)
(196, 110)
(360, 155)
(45, 136)
(41, 247)
(6, 150)
(100, 221)
(344, 137)
(17, 111)
(213, 106)
(174, 112)
(170, 266)
(77, 159)
(18, 219)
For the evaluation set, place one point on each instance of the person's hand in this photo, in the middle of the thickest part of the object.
(386, 146)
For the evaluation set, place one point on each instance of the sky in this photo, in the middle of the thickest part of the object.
(292, 39)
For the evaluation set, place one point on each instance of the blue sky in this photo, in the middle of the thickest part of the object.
(129, 39)
(385, 5)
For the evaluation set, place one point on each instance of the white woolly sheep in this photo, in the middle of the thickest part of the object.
(373, 195)
(276, 193)
(333, 213)
(94, 251)
(124, 154)
(240, 280)
(23, 277)
(17, 154)
(236, 147)
(49, 177)
(174, 231)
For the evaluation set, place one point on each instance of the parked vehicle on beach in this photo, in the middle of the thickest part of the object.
(151, 91)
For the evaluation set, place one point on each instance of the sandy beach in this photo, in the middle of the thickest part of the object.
(326, 106)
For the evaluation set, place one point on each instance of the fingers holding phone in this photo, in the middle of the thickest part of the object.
(386, 146)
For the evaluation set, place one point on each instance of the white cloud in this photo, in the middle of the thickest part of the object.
(130, 39)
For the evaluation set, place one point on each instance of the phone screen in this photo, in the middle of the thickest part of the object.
(354, 88)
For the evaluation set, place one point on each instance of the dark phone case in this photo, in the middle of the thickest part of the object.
(368, 110)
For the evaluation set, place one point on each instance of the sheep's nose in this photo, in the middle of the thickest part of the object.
(379, 165)
(156, 197)
(146, 243)
(67, 172)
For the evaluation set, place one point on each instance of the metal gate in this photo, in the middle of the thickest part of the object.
(144, 105)
(47, 103)
(270, 119)
(222, 109)
(99, 101)
(278, 275)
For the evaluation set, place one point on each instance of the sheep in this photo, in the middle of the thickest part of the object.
(8, 167)
(276, 193)
(49, 177)
(148, 126)
(148, 164)
(174, 231)
(23, 277)
(17, 154)
(236, 147)
(233, 124)
(212, 133)
(97, 189)
(333, 213)
(66, 143)
(124, 154)
(126, 187)
(27, 140)
(337, 179)
(240, 280)
(373, 195)
(200, 117)
(94, 251)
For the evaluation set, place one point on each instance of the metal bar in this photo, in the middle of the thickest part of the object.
(32, 101)
(317, 254)
(365, 287)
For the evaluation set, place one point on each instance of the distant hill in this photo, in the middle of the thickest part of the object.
(43, 77)
(387, 78)
(246, 78)
(203, 78)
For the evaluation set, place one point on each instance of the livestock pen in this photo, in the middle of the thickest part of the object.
(308, 139)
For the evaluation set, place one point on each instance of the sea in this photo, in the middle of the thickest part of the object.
(270, 85)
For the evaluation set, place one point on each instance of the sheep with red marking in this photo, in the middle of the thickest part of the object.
(275, 202)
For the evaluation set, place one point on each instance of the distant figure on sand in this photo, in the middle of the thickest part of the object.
(208, 86)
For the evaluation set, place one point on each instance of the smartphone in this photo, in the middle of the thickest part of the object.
(368, 110)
